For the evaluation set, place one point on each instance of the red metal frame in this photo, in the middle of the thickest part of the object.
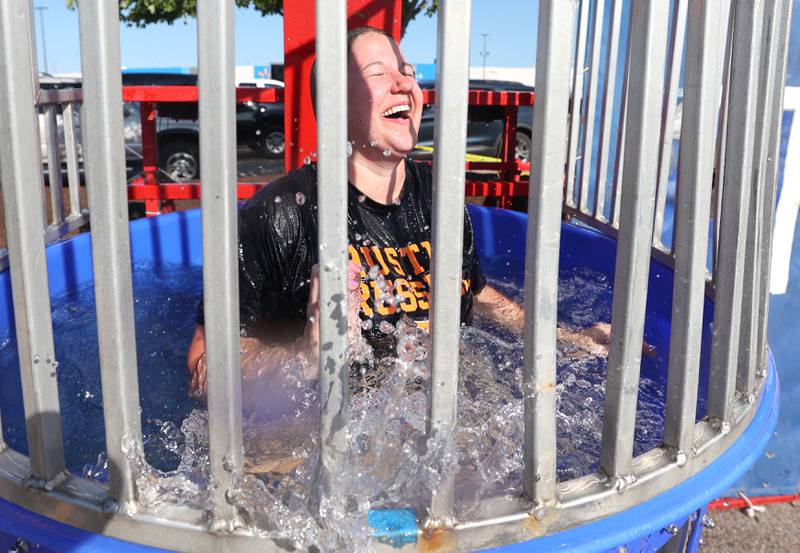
(739, 503)
(158, 197)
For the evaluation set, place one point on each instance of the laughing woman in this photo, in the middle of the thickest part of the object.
(388, 223)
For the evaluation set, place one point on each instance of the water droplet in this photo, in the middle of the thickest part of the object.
(258, 132)
(386, 327)
(366, 324)
(770, 454)
(278, 199)
(312, 319)
(397, 201)
(373, 272)
(373, 143)
(387, 152)
(361, 198)
(765, 484)
(307, 160)
(300, 198)
(349, 148)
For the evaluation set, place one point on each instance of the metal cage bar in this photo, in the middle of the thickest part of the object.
(53, 164)
(648, 47)
(577, 101)
(217, 110)
(619, 162)
(549, 153)
(735, 207)
(771, 174)
(20, 156)
(588, 116)
(695, 170)
(676, 47)
(754, 252)
(105, 174)
(722, 133)
(332, 190)
(447, 234)
(607, 115)
(71, 148)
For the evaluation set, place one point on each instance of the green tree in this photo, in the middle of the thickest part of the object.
(140, 13)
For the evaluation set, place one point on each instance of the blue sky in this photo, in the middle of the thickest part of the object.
(510, 24)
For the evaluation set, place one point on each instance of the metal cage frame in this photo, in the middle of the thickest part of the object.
(732, 102)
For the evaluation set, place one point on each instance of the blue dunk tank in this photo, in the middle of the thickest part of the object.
(714, 417)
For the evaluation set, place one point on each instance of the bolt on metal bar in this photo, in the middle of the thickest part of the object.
(696, 170)
(649, 23)
(53, 163)
(217, 111)
(332, 189)
(722, 134)
(577, 100)
(771, 173)
(735, 207)
(104, 164)
(20, 157)
(748, 341)
(549, 153)
(71, 147)
(447, 234)
(607, 112)
(619, 162)
(591, 107)
(676, 45)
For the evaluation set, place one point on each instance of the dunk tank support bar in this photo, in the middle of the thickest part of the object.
(704, 74)
(334, 385)
(542, 250)
(217, 108)
(20, 155)
(738, 161)
(447, 239)
(576, 101)
(648, 36)
(113, 288)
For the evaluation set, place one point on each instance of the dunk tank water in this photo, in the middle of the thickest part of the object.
(174, 240)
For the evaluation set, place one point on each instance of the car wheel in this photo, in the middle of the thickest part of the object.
(272, 143)
(522, 149)
(180, 161)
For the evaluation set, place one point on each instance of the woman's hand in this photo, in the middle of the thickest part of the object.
(310, 340)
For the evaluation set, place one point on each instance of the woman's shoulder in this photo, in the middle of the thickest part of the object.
(296, 188)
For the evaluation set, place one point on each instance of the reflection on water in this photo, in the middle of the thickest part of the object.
(391, 462)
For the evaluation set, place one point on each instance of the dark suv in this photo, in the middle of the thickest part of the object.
(484, 123)
(258, 126)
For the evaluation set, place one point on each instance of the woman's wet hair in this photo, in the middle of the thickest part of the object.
(352, 35)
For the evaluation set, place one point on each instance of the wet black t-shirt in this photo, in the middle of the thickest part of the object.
(278, 244)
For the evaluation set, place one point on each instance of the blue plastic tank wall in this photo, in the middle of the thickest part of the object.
(500, 236)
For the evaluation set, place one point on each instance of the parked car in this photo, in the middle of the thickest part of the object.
(484, 123)
(259, 126)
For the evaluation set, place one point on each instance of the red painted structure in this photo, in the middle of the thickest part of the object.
(158, 197)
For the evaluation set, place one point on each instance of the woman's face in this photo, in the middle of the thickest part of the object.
(384, 106)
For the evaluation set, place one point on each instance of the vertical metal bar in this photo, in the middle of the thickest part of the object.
(54, 164)
(735, 207)
(332, 190)
(104, 164)
(649, 23)
(591, 105)
(447, 236)
(748, 341)
(20, 156)
(677, 37)
(696, 167)
(722, 133)
(71, 147)
(607, 115)
(619, 162)
(541, 255)
(771, 175)
(217, 110)
(577, 100)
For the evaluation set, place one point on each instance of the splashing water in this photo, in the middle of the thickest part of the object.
(392, 461)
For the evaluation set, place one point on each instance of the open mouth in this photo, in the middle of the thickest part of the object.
(399, 112)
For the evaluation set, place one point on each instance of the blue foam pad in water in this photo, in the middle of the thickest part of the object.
(394, 526)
